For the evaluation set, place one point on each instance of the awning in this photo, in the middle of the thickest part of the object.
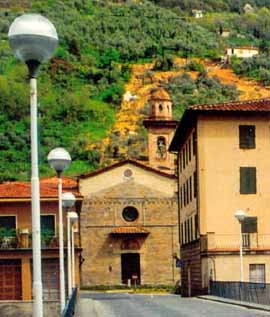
(129, 230)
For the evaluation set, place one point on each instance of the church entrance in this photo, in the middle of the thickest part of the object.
(131, 270)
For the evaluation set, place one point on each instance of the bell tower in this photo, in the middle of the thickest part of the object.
(160, 126)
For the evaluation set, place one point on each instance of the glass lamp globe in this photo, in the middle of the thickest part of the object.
(32, 37)
(240, 215)
(68, 200)
(73, 217)
(59, 159)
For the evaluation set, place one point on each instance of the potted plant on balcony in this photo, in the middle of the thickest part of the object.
(8, 238)
(46, 237)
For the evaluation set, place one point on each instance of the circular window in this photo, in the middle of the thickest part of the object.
(130, 213)
(128, 173)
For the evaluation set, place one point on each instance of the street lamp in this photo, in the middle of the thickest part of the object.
(240, 216)
(68, 200)
(33, 40)
(59, 159)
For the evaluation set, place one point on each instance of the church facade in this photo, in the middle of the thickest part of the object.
(129, 217)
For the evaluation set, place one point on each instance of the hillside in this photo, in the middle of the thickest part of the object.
(106, 50)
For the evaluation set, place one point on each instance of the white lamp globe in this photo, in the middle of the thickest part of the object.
(240, 215)
(73, 217)
(68, 200)
(32, 37)
(59, 159)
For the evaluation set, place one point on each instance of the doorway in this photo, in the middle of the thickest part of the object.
(130, 266)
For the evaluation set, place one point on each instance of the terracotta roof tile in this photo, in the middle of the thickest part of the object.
(11, 190)
(129, 230)
(245, 105)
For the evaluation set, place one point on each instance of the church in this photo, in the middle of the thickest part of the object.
(129, 216)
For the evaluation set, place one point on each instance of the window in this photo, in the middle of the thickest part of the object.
(190, 188)
(130, 213)
(189, 150)
(184, 192)
(257, 274)
(8, 226)
(247, 136)
(191, 229)
(47, 224)
(8, 222)
(188, 229)
(184, 158)
(187, 191)
(161, 147)
(249, 225)
(248, 180)
(181, 197)
(187, 154)
(195, 184)
(196, 226)
(186, 238)
(194, 142)
(180, 162)
(182, 233)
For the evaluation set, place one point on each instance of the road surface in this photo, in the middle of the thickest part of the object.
(132, 305)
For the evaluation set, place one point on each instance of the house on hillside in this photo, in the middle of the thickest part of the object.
(129, 225)
(248, 8)
(15, 239)
(225, 172)
(197, 14)
(240, 52)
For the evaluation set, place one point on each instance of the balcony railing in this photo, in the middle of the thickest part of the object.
(24, 241)
(231, 242)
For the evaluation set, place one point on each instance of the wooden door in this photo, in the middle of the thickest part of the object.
(10, 280)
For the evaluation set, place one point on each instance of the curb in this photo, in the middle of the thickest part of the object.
(235, 302)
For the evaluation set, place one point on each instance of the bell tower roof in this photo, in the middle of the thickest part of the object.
(160, 94)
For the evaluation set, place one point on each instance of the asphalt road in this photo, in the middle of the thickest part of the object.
(131, 305)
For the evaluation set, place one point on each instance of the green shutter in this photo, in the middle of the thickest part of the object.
(247, 136)
(248, 180)
(249, 225)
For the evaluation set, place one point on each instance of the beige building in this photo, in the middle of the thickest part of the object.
(241, 52)
(129, 219)
(223, 163)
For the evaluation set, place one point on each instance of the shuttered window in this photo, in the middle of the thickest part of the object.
(248, 180)
(247, 136)
(249, 225)
(257, 274)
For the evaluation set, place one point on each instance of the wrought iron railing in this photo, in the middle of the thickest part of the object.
(69, 310)
(243, 291)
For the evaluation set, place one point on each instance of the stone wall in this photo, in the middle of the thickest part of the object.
(24, 308)
(191, 273)
(102, 251)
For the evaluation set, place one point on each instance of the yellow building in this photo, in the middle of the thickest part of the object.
(223, 166)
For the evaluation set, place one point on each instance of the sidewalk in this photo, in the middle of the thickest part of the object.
(235, 302)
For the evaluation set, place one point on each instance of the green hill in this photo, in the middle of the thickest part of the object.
(81, 88)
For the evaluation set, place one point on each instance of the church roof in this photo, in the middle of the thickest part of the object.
(123, 162)
(160, 94)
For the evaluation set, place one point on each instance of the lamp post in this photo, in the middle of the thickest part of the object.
(33, 40)
(240, 216)
(59, 159)
(68, 200)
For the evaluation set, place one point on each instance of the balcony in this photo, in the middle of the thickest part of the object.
(22, 239)
(230, 242)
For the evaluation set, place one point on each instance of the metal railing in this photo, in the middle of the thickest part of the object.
(243, 291)
(71, 304)
(213, 241)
